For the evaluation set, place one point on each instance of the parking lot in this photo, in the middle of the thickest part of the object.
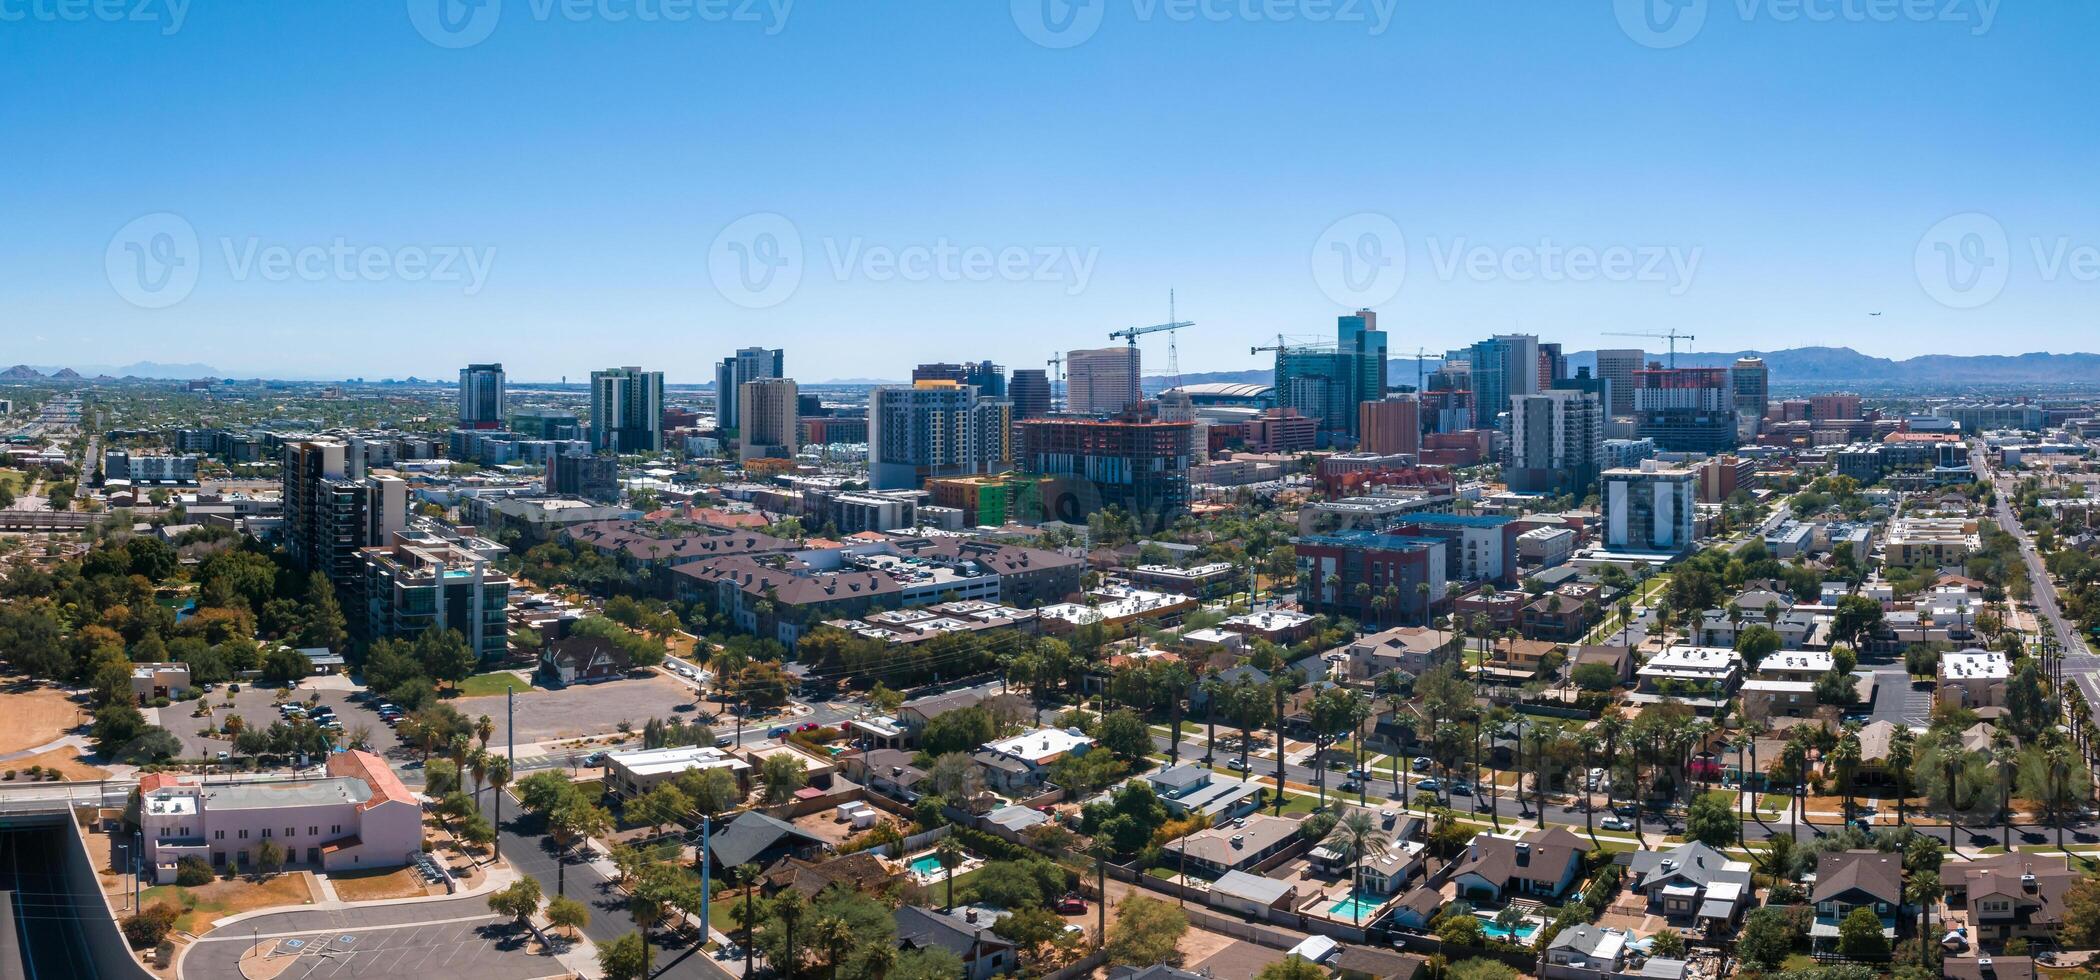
(258, 706)
(586, 709)
(457, 947)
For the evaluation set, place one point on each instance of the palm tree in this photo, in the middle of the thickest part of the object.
(1922, 889)
(1212, 690)
(1795, 758)
(1953, 761)
(2057, 756)
(1359, 837)
(745, 874)
(498, 773)
(1846, 758)
(1588, 741)
(878, 961)
(835, 938)
(2005, 755)
(950, 854)
(484, 729)
(1902, 755)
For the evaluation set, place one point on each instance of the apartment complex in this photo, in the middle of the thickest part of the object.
(1137, 465)
(936, 428)
(1616, 367)
(1685, 409)
(1650, 509)
(748, 364)
(627, 410)
(768, 423)
(1556, 441)
(481, 396)
(1390, 425)
(1102, 381)
(418, 582)
(332, 509)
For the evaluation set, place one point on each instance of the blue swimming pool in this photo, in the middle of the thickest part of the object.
(1362, 905)
(1523, 932)
(926, 865)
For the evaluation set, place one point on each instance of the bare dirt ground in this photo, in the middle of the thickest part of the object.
(32, 714)
(66, 761)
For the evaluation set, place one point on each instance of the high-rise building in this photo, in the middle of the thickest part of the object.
(1504, 366)
(1448, 411)
(1685, 409)
(1556, 441)
(481, 396)
(411, 586)
(1030, 391)
(331, 509)
(1826, 408)
(935, 429)
(1326, 384)
(1362, 348)
(1390, 425)
(1650, 508)
(1138, 466)
(989, 379)
(748, 364)
(1752, 382)
(1617, 367)
(1100, 381)
(586, 475)
(768, 424)
(627, 410)
(1553, 365)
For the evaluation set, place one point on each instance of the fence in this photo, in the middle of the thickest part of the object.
(912, 843)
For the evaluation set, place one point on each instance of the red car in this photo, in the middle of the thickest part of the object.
(809, 726)
(1071, 905)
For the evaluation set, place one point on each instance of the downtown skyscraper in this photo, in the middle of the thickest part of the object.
(627, 410)
(748, 364)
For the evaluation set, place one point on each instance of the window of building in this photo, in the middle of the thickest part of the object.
(244, 834)
(218, 835)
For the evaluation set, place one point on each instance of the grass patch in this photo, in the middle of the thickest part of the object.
(1797, 961)
(492, 685)
(1295, 804)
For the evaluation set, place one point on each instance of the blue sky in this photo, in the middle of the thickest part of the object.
(575, 187)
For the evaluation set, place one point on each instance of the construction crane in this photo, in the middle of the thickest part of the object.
(1280, 345)
(1132, 334)
(1673, 337)
(1057, 386)
(1421, 356)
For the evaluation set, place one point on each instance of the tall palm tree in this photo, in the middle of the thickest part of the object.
(1795, 758)
(1212, 691)
(2057, 756)
(1360, 838)
(1846, 758)
(2005, 755)
(1953, 761)
(1589, 741)
(1922, 889)
(484, 729)
(950, 854)
(1902, 756)
(498, 775)
(478, 767)
(835, 938)
(745, 874)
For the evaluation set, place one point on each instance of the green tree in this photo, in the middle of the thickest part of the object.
(929, 963)
(625, 958)
(1292, 968)
(286, 666)
(519, 901)
(783, 774)
(568, 914)
(324, 626)
(1859, 936)
(1146, 931)
(1712, 822)
(1768, 937)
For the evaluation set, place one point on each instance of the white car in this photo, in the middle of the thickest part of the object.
(1615, 822)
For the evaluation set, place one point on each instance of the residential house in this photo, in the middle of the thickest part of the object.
(915, 713)
(1189, 788)
(583, 660)
(1847, 880)
(887, 771)
(2011, 896)
(1691, 882)
(1539, 864)
(1236, 846)
(984, 953)
(1021, 764)
(755, 838)
(1584, 952)
(1619, 658)
(1383, 874)
(1252, 895)
(1409, 649)
(861, 872)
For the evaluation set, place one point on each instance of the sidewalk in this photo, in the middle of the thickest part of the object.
(494, 878)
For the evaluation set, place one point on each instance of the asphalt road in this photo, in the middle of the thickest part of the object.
(454, 939)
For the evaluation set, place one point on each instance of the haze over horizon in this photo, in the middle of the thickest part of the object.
(782, 181)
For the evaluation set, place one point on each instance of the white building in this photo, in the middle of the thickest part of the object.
(1650, 509)
(630, 774)
(359, 817)
(1974, 678)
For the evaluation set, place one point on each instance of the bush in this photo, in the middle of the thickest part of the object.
(146, 929)
(191, 872)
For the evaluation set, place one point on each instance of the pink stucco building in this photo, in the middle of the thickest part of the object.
(360, 816)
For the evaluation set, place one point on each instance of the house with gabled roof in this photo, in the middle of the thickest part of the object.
(1539, 864)
(1848, 880)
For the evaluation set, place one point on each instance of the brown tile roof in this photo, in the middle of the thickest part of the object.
(1495, 858)
(861, 872)
(1877, 874)
(644, 542)
(373, 770)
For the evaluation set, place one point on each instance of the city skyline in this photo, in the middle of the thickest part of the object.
(1758, 184)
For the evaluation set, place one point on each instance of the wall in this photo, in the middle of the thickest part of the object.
(106, 945)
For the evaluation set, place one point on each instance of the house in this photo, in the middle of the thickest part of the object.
(1157, 971)
(359, 816)
(1542, 863)
(755, 838)
(1876, 738)
(1199, 691)
(630, 774)
(1847, 880)
(1189, 788)
(1252, 895)
(984, 953)
(1691, 882)
(1619, 658)
(583, 660)
(861, 872)
(1797, 629)
(1417, 907)
(1237, 846)
(914, 714)
(1021, 764)
(1766, 699)
(2011, 896)
(1368, 963)
(887, 771)
(1564, 614)
(1410, 649)
(1282, 627)
(1383, 874)
(1583, 952)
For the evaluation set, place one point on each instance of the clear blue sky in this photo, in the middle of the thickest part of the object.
(593, 163)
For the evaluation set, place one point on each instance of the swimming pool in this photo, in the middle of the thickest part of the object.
(926, 865)
(1362, 905)
(1523, 933)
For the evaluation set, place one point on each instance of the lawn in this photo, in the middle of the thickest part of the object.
(205, 904)
(369, 886)
(492, 684)
(1295, 804)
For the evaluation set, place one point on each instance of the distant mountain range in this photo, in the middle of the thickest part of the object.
(1819, 366)
(141, 369)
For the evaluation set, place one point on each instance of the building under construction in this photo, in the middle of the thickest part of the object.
(1136, 464)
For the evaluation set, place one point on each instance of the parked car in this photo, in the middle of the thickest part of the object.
(1461, 788)
(778, 731)
(1615, 822)
(1071, 905)
(594, 760)
(808, 726)
(1352, 786)
(1428, 785)
(224, 755)
(1422, 762)
(1235, 764)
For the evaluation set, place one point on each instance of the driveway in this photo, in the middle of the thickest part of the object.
(457, 940)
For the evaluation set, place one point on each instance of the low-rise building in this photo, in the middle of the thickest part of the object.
(1691, 883)
(360, 816)
(159, 680)
(1974, 678)
(1584, 952)
(2011, 896)
(1021, 763)
(1236, 846)
(1539, 864)
(1848, 880)
(1191, 789)
(630, 774)
(1706, 672)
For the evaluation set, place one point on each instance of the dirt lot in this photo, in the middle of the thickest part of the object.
(586, 709)
(369, 886)
(206, 903)
(66, 761)
(36, 714)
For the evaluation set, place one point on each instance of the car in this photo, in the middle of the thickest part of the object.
(1352, 786)
(1071, 905)
(1461, 789)
(1236, 765)
(808, 726)
(1427, 785)
(1358, 773)
(777, 731)
(724, 741)
(1615, 822)
(594, 759)
(1422, 762)
(224, 755)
